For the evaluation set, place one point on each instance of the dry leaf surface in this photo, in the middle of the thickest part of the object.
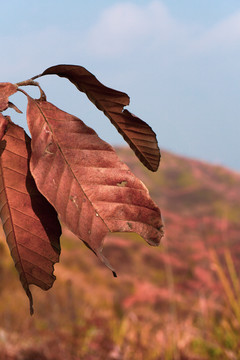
(29, 221)
(82, 177)
(6, 90)
(137, 133)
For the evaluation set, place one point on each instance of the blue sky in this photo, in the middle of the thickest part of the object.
(179, 61)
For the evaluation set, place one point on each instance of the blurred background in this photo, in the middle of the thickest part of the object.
(179, 63)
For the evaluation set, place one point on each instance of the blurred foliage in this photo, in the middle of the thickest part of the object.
(180, 301)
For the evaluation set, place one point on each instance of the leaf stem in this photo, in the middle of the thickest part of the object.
(36, 76)
(33, 83)
(24, 92)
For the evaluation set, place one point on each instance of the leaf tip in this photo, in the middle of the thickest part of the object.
(29, 294)
(105, 261)
(11, 105)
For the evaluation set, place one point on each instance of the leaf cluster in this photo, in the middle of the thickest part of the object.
(66, 172)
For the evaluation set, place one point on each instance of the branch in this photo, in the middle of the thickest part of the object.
(33, 83)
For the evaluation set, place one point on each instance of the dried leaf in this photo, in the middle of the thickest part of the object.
(6, 90)
(135, 131)
(3, 125)
(30, 223)
(11, 105)
(82, 177)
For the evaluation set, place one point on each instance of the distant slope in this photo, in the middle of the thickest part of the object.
(167, 302)
(200, 205)
(190, 187)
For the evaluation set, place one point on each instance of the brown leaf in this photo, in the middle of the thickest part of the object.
(82, 177)
(135, 131)
(13, 106)
(6, 90)
(3, 125)
(29, 221)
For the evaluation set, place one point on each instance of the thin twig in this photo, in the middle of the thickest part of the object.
(33, 83)
(36, 76)
(24, 92)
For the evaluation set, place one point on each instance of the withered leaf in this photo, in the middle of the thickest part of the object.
(30, 223)
(13, 106)
(6, 90)
(82, 177)
(138, 134)
(3, 125)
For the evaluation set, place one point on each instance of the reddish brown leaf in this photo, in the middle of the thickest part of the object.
(6, 90)
(11, 105)
(29, 221)
(3, 125)
(82, 177)
(135, 131)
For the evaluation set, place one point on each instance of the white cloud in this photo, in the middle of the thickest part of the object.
(223, 36)
(127, 26)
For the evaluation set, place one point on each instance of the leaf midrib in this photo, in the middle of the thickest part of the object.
(63, 155)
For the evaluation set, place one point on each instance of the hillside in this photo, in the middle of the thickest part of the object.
(169, 302)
